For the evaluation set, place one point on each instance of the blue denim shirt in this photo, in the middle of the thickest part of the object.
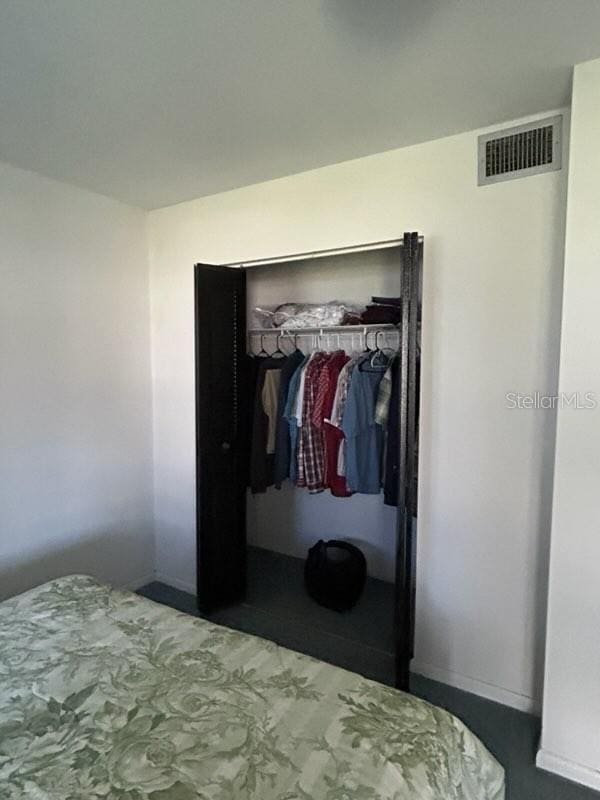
(364, 437)
(292, 421)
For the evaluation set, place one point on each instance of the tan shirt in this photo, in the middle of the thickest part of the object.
(270, 396)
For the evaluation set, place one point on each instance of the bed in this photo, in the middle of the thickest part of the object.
(107, 695)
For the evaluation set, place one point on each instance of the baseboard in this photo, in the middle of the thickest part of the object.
(570, 770)
(489, 691)
(137, 583)
(184, 586)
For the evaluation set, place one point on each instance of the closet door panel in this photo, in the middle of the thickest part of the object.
(408, 378)
(221, 453)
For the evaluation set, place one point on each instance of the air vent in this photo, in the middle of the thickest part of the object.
(521, 151)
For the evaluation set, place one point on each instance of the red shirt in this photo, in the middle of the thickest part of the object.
(333, 436)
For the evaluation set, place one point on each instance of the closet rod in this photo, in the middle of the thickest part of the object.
(384, 327)
(337, 251)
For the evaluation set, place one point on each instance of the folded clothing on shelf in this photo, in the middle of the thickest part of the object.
(382, 311)
(387, 301)
(351, 318)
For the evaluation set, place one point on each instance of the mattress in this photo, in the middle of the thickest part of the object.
(104, 694)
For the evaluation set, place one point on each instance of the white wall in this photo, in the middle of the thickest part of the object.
(571, 714)
(493, 270)
(75, 386)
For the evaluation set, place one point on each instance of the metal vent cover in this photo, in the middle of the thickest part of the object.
(520, 151)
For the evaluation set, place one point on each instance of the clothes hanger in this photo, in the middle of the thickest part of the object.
(293, 337)
(262, 352)
(377, 352)
(279, 352)
(380, 352)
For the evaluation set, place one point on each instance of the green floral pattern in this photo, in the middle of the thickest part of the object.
(107, 696)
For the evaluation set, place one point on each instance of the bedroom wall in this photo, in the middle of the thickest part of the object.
(571, 714)
(493, 272)
(76, 408)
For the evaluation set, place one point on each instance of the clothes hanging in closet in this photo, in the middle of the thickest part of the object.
(392, 455)
(364, 436)
(320, 421)
(282, 434)
(334, 435)
(289, 416)
(321, 382)
(383, 398)
(270, 396)
(311, 453)
(261, 461)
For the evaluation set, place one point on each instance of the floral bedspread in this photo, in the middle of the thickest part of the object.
(104, 694)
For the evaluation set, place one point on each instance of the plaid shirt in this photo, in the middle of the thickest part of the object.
(339, 401)
(311, 453)
(327, 374)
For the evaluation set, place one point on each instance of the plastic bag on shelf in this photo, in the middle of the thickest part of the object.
(313, 315)
(261, 318)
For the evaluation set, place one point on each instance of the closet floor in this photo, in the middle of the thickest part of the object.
(278, 608)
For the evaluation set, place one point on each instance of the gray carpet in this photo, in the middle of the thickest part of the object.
(278, 608)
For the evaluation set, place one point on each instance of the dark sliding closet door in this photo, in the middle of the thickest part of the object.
(408, 431)
(221, 454)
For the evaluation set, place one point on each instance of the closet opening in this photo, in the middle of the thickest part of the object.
(263, 497)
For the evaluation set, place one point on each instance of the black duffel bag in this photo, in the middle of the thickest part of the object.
(335, 574)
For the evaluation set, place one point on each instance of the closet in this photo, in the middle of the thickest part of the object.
(227, 514)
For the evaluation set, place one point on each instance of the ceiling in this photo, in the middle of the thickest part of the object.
(154, 102)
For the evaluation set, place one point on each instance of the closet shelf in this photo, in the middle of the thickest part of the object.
(322, 330)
